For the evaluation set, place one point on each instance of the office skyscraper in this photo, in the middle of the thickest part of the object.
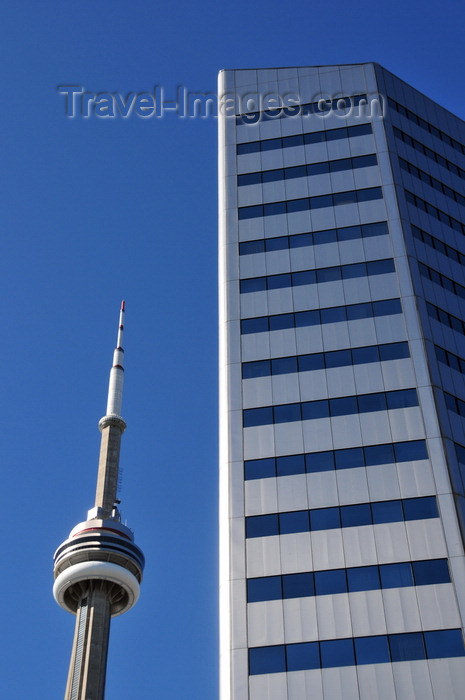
(342, 393)
(98, 569)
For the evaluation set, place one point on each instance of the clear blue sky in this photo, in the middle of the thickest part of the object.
(94, 211)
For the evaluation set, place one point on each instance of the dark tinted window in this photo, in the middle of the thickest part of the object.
(379, 454)
(293, 464)
(443, 643)
(420, 508)
(372, 650)
(260, 468)
(286, 413)
(407, 647)
(396, 575)
(296, 521)
(319, 462)
(267, 660)
(261, 525)
(337, 652)
(352, 516)
(387, 512)
(255, 369)
(268, 588)
(303, 656)
(363, 578)
(315, 409)
(257, 416)
(298, 585)
(284, 365)
(325, 519)
(330, 582)
(431, 571)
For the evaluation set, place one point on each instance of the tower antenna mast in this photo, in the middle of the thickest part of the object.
(98, 569)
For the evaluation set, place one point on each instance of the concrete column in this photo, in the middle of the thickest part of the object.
(87, 671)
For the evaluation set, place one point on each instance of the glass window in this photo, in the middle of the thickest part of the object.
(343, 406)
(278, 243)
(380, 267)
(262, 368)
(337, 652)
(345, 198)
(254, 325)
(349, 233)
(352, 516)
(365, 161)
(270, 144)
(330, 582)
(363, 578)
(317, 169)
(257, 416)
(334, 314)
(315, 409)
(324, 237)
(300, 241)
(293, 464)
(415, 449)
(387, 512)
(328, 274)
(301, 278)
(359, 130)
(244, 148)
(372, 650)
(325, 200)
(396, 575)
(250, 212)
(267, 660)
(291, 141)
(295, 172)
(298, 585)
(394, 351)
(325, 519)
(284, 365)
(298, 205)
(260, 468)
(267, 588)
(272, 175)
(308, 363)
(303, 656)
(371, 402)
(336, 166)
(255, 284)
(444, 643)
(420, 508)
(336, 134)
(319, 462)
(286, 413)
(315, 137)
(296, 521)
(407, 647)
(338, 358)
(273, 208)
(250, 247)
(350, 458)
(431, 571)
(261, 525)
(379, 454)
(369, 194)
(402, 399)
(279, 281)
(386, 307)
(249, 179)
(357, 311)
(281, 321)
(354, 271)
(307, 318)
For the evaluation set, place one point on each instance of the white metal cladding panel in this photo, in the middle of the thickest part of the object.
(340, 683)
(376, 682)
(269, 686)
(265, 623)
(305, 684)
(448, 678)
(300, 620)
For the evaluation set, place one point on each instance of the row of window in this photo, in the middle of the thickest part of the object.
(385, 648)
(442, 280)
(325, 360)
(302, 240)
(336, 517)
(304, 139)
(321, 107)
(432, 182)
(317, 317)
(448, 358)
(330, 408)
(429, 153)
(360, 578)
(318, 276)
(434, 211)
(438, 245)
(426, 125)
(306, 203)
(296, 171)
(346, 458)
(445, 318)
(455, 404)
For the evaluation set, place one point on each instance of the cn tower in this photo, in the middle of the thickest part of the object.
(98, 569)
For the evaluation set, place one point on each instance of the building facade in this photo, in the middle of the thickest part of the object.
(342, 393)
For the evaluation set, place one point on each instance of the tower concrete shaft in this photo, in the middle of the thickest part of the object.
(98, 569)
